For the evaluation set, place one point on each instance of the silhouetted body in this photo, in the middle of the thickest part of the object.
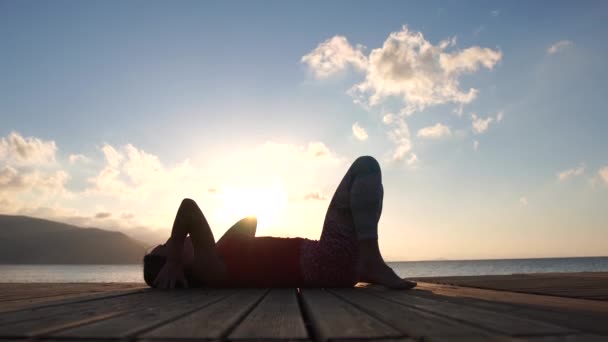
(346, 253)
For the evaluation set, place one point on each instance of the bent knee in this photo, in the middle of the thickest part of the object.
(366, 164)
(188, 203)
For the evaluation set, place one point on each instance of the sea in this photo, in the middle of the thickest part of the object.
(410, 269)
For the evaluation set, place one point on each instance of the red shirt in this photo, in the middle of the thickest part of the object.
(262, 261)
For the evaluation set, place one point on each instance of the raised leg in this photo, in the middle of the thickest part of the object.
(355, 209)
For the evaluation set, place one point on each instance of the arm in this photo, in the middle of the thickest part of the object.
(189, 220)
(243, 229)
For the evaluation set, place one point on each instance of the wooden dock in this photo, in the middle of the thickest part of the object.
(440, 309)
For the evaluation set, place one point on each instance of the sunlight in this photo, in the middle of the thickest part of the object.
(264, 202)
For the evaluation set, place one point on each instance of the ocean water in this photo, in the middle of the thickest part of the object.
(133, 273)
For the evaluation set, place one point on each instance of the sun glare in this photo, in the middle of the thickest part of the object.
(264, 202)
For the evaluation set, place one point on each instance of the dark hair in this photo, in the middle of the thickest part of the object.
(153, 263)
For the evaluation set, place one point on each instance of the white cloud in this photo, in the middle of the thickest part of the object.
(151, 189)
(577, 171)
(475, 145)
(76, 158)
(481, 125)
(495, 13)
(419, 73)
(334, 55)
(359, 132)
(523, 200)
(17, 150)
(436, 131)
(559, 46)
(407, 66)
(318, 149)
(400, 136)
(603, 173)
(388, 118)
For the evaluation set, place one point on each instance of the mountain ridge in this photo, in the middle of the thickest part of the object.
(29, 240)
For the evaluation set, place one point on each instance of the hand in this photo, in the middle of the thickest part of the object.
(170, 275)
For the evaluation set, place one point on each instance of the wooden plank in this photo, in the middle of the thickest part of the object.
(211, 322)
(503, 323)
(576, 285)
(333, 318)
(33, 322)
(276, 317)
(412, 322)
(38, 302)
(548, 302)
(20, 291)
(566, 338)
(567, 312)
(144, 318)
(69, 306)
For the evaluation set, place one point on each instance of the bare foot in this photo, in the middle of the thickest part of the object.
(378, 272)
(371, 268)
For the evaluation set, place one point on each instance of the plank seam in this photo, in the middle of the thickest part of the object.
(404, 335)
(478, 326)
(306, 318)
(132, 335)
(78, 300)
(239, 320)
(521, 290)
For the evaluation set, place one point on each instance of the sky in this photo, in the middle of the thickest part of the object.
(488, 118)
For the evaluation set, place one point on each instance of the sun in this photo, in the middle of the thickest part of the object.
(264, 202)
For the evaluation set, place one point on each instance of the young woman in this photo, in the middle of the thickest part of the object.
(347, 252)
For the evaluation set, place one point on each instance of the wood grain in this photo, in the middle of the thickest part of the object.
(499, 322)
(211, 322)
(333, 318)
(412, 322)
(276, 317)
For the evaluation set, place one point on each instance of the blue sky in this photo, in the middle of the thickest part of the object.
(125, 107)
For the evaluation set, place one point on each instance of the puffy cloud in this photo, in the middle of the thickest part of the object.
(559, 46)
(359, 132)
(388, 118)
(408, 68)
(133, 173)
(132, 178)
(17, 150)
(400, 136)
(480, 125)
(334, 55)
(318, 149)
(577, 171)
(603, 173)
(421, 74)
(78, 158)
(436, 131)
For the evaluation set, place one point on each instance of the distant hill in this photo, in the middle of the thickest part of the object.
(27, 240)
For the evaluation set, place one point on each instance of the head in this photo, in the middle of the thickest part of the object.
(153, 263)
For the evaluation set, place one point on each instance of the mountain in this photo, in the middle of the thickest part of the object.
(27, 240)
